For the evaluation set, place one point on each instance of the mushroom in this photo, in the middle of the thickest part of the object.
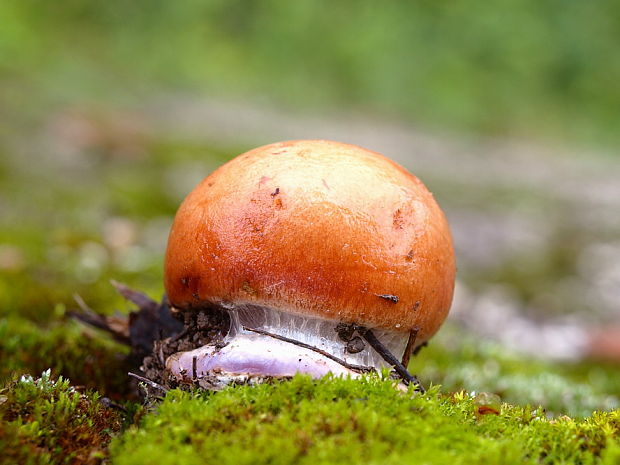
(320, 252)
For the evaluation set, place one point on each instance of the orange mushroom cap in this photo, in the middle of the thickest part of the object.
(315, 228)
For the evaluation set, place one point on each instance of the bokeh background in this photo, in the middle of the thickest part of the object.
(111, 111)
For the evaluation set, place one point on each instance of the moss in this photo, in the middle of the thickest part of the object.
(348, 421)
(331, 420)
(458, 361)
(47, 421)
(69, 350)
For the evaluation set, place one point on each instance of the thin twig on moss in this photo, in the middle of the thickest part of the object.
(413, 335)
(151, 383)
(407, 377)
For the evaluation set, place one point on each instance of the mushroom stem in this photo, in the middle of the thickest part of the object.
(345, 364)
(407, 377)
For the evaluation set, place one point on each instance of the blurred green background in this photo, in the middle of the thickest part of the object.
(110, 112)
(546, 69)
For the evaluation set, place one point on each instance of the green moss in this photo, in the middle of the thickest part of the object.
(47, 421)
(68, 349)
(348, 421)
(459, 361)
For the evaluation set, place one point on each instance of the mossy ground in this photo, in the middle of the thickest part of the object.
(366, 421)
(300, 421)
(327, 421)
(48, 421)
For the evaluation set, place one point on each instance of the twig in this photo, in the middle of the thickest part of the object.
(82, 303)
(153, 384)
(413, 335)
(142, 301)
(180, 335)
(89, 317)
(160, 352)
(109, 403)
(391, 297)
(344, 363)
(388, 357)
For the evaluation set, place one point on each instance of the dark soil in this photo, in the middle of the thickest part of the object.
(206, 326)
(154, 331)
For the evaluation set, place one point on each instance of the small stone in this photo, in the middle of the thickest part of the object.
(488, 403)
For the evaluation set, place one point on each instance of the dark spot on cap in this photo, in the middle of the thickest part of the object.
(410, 255)
(416, 306)
(191, 282)
(276, 192)
(397, 219)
